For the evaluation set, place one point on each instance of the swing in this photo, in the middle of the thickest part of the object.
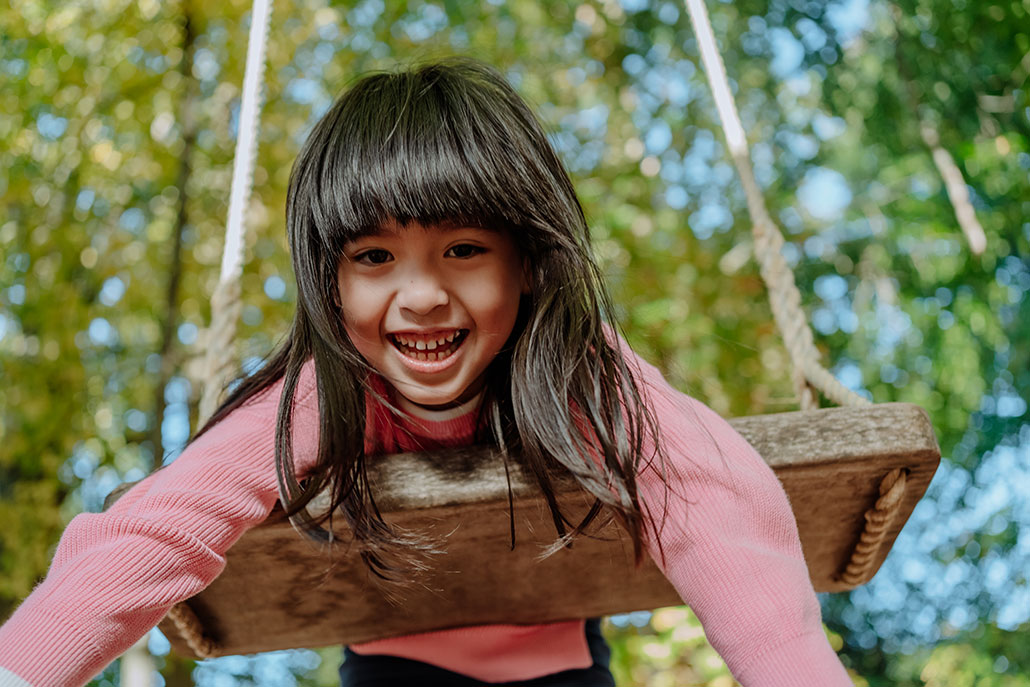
(853, 475)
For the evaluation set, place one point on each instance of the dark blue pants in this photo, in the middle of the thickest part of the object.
(387, 671)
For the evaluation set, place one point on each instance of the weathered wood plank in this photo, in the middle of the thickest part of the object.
(279, 591)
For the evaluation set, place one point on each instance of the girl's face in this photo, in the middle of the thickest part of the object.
(430, 307)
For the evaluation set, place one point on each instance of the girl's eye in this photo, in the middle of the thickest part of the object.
(376, 256)
(465, 250)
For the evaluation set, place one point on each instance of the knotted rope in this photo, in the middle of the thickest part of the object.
(784, 296)
(219, 363)
(808, 374)
(192, 631)
(878, 521)
(220, 358)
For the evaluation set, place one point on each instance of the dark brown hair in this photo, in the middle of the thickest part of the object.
(452, 141)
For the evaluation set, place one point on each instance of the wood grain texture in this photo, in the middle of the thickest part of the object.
(280, 591)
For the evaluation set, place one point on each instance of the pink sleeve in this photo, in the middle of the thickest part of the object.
(115, 574)
(731, 546)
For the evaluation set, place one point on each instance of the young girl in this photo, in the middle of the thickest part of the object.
(446, 296)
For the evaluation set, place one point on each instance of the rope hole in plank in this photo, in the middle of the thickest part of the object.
(878, 520)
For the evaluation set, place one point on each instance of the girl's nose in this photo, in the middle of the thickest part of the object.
(422, 294)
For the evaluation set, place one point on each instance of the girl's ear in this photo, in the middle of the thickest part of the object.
(527, 277)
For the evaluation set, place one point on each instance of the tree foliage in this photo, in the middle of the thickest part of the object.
(118, 127)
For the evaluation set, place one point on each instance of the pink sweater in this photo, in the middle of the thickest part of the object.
(736, 559)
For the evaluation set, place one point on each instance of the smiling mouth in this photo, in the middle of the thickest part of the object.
(437, 347)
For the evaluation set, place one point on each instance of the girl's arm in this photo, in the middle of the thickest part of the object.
(731, 546)
(115, 574)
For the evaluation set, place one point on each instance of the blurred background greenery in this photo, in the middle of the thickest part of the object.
(117, 127)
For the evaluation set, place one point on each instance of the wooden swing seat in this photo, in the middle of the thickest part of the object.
(280, 591)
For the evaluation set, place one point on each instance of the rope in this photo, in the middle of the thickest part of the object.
(190, 629)
(878, 520)
(784, 298)
(246, 141)
(807, 373)
(219, 359)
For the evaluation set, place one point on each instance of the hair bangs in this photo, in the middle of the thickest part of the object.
(424, 147)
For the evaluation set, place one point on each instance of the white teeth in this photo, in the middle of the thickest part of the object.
(421, 344)
(420, 349)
